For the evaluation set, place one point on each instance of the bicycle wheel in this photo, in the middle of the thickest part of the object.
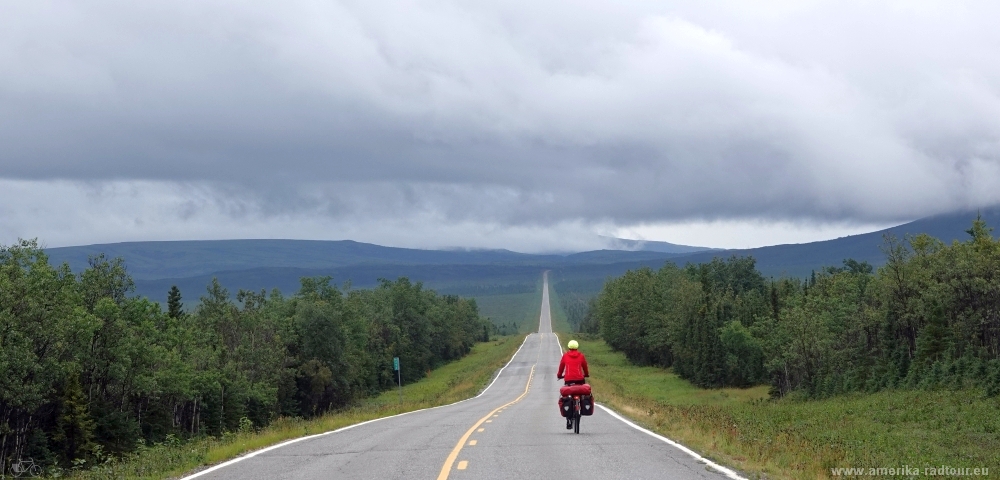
(576, 423)
(35, 471)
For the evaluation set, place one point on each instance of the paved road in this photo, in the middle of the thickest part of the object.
(512, 430)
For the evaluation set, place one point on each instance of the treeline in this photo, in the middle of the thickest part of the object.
(929, 318)
(580, 311)
(491, 289)
(506, 328)
(88, 371)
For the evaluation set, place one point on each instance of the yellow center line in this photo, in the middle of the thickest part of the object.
(446, 468)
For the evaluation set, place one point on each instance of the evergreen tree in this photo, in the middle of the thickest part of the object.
(175, 309)
(74, 427)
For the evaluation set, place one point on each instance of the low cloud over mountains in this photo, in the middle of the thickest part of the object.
(514, 124)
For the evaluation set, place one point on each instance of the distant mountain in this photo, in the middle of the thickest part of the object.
(268, 264)
(179, 259)
(604, 257)
(150, 260)
(614, 243)
(801, 259)
(443, 278)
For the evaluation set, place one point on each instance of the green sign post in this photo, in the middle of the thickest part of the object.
(399, 377)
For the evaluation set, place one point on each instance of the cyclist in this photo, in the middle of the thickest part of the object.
(573, 369)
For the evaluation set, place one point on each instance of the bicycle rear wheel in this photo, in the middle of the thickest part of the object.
(576, 423)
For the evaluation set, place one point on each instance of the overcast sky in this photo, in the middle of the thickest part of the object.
(525, 125)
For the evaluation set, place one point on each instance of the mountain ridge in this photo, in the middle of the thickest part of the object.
(266, 263)
(800, 259)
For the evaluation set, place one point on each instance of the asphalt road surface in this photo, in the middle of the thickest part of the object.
(511, 430)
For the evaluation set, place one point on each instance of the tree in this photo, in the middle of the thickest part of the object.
(105, 279)
(175, 309)
(86, 368)
(74, 430)
(42, 330)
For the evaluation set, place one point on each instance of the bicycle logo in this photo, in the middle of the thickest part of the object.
(25, 468)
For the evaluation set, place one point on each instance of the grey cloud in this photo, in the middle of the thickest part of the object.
(156, 213)
(512, 113)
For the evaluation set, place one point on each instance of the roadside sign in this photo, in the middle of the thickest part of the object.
(399, 377)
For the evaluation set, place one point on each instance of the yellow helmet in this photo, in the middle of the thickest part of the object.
(572, 345)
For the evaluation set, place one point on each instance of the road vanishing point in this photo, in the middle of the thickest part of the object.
(511, 430)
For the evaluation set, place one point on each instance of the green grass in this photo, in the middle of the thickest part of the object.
(559, 320)
(794, 438)
(523, 308)
(450, 383)
(655, 383)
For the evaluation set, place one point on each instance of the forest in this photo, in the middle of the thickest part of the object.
(89, 371)
(928, 319)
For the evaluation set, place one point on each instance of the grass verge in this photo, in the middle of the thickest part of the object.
(794, 438)
(448, 384)
(559, 321)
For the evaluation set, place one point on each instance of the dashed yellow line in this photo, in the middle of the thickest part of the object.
(472, 442)
(450, 461)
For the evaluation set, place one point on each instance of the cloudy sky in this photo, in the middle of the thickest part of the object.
(512, 124)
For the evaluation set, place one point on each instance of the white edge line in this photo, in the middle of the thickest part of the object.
(341, 429)
(725, 471)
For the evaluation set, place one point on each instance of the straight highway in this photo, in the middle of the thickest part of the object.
(511, 430)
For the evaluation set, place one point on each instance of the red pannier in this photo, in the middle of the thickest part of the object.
(566, 399)
(575, 390)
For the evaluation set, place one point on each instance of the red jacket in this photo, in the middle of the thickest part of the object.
(574, 366)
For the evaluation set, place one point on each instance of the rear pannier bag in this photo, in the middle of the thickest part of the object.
(565, 404)
(566, 399)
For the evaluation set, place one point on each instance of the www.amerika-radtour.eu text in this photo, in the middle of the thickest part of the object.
(906, 470)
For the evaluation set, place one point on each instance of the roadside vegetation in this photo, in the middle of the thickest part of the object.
(173, 458)
(795, 438)
(89, 373)
(560, 321)
(511, 313)
(790, 378)
(929, 319)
